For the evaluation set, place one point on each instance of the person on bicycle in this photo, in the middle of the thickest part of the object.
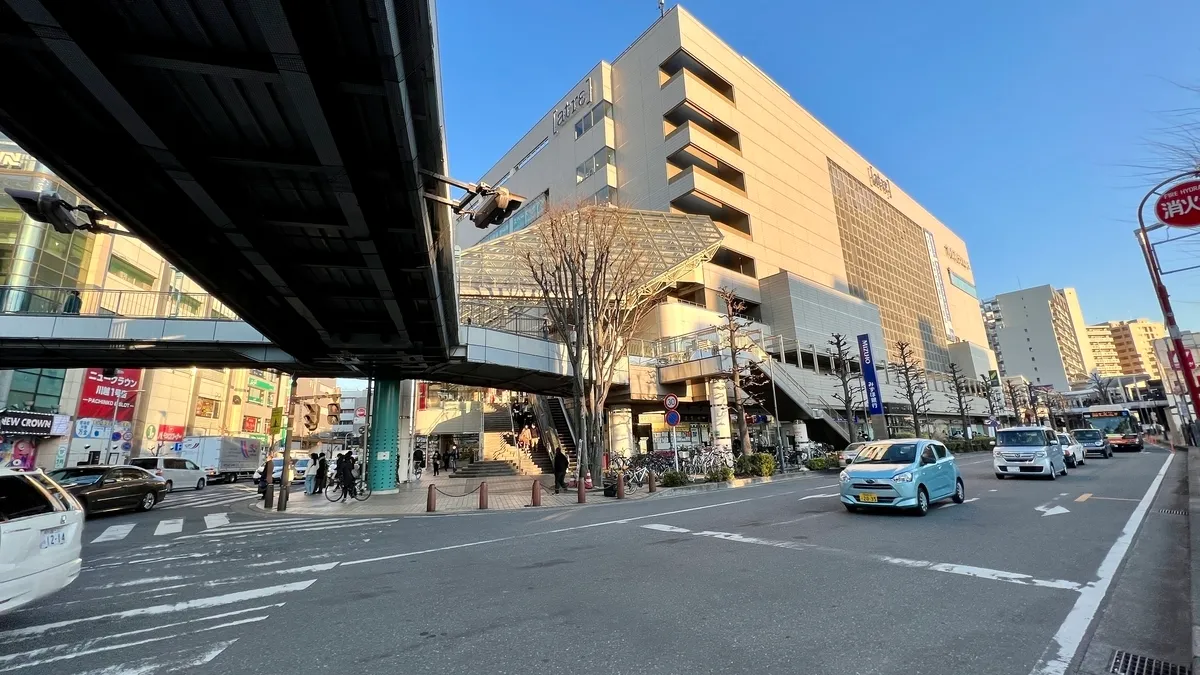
(345, 475)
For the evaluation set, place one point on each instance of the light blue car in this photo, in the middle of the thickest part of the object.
(902, 473)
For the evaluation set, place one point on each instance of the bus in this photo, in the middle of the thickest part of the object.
(1121, 427)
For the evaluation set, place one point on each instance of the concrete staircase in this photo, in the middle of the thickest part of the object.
(486, 469)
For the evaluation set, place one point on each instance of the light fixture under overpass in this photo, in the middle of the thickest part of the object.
(495, 205)
(49, 208)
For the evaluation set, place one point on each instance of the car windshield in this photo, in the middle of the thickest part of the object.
(76, 476)
(144, 462)
(1064, 439)
(1111, 423)
(1088, 435)
(1028, 438)
(895, 453)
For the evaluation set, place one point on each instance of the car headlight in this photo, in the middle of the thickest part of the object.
(905, 477)
(997, 453)
(843, 477)
(1039, 454)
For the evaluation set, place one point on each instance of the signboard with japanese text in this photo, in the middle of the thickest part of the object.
(170, 433)
(870, 378)
(1180, 205)
(100, 394)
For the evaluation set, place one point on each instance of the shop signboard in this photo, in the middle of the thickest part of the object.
(170, 433)
(870, 378)
(100, 394)
(259, 383)
(24, 423)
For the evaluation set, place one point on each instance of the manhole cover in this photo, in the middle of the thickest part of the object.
(1126, 663)
(1174, 512)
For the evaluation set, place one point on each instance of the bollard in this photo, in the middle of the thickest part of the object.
(650, 485)
(483, 495)
(582, 494)
(536, 500)
(269, 497)
(620, 486)
(431, 500)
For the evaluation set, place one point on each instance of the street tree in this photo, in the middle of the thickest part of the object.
(850, 388)
(1102, 385)
(1015, 400)
(595, 285)
(910, 380)
(743, 355)
(960, 385)
(990, 395)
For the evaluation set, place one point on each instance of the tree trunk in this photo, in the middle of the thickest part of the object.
(849, 408)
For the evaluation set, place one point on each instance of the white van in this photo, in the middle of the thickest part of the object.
(1028, 451)
(41, 535)
(178, 472)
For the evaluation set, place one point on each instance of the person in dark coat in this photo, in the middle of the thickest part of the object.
(560, 470)
(322, 473)
(73, 303)
(345, 474)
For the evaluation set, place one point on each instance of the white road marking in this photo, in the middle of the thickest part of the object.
(821, 487)
(170, 526)
(665, 528)
(157, 664)
(1066, 641)
(946, 505)
(156, 610)
(993, 490)
(114, 533)
(135, 582)
(271, 528)
(309, 568)
(212, 520)
(831, 494)
(1048, 510)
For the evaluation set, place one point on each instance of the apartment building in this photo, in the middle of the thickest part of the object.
(1134, 344)
(1103, 351)
(1037, 336)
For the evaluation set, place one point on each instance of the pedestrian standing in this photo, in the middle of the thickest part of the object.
(322, 473)
(452, 459)
(73, 303)
(345, 475)
(560, 470)
(268, 470)
(437, 462)
(310, 474)
(418, 462)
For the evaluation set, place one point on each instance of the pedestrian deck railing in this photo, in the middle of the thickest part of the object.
(55, 300)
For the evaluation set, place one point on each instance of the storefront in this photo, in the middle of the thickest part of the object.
(21, 434)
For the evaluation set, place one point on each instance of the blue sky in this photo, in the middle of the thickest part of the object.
(1022, 124)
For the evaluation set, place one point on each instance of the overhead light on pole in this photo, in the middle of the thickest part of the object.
(495, 203)
(49, 208)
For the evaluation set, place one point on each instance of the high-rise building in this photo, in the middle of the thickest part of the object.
(1105, 361)
(1037, 336)
(682, 123)
(993, 321)
(1133, 344)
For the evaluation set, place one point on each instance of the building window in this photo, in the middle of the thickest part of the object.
(732, 260)
(130, 273)
(593, 117)
(605, 195)
(207, 407)
(38, 390)
(596, 162)
(962, 284)
(533, 153)
(524, 217)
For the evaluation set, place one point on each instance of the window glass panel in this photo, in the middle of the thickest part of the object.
(20, 498)
(23, 380)
(50, 385)
(45, 403)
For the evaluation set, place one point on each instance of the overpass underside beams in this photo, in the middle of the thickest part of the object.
(268, 149)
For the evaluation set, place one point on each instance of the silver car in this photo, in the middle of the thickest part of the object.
(1073, 453)
(1028, 451)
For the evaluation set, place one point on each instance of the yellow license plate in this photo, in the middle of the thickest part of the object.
(868, 497)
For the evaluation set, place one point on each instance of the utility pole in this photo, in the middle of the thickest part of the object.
(285, 472)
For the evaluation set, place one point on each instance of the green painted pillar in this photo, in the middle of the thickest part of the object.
(383, 444)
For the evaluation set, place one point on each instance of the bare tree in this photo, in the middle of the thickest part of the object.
(910, 379)
(1015, 399)
(1102, 385)
(960, 385)
(742, 356)
(990, 395)
(1056, 403)
(596, 289)
(850, 388)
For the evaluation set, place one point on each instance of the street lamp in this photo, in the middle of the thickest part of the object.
(1160, 289)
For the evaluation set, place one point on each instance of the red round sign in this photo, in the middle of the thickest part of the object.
(671, 402)
(1180, 206)
(360, 412)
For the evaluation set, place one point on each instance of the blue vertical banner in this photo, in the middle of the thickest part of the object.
(874, 400)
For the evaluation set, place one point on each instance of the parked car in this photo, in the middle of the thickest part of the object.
(111, 488)
(846, 457)
(1072, 450)
(41, 535)
(1093, 441)
(296, 473)
(176, 471)
(909, 473)
(1025, 451)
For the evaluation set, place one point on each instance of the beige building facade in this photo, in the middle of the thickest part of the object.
(1103, 351)
(681, 122)
(1133, 344)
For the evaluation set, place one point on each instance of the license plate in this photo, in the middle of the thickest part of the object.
(55, 537)
(868, 497)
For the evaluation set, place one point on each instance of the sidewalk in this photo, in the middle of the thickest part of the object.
(410, 499)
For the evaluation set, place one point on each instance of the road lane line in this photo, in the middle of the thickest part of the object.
(832, 494)
(114, 533)
(665, 528)
(169, 526)
(1061, 650)
(1117, 499)
(212, 520)
(1083, 497)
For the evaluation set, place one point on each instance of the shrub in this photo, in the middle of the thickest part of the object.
(816, 464)
(674, 479)
(762, 464)
(721, 473)
(742, 466)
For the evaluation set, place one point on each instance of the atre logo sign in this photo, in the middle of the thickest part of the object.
(882, 184)
(578, 102)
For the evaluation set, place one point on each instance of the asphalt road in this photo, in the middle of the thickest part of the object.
(771, 578)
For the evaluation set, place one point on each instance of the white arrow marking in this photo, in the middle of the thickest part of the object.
(216, 520)
(833, 494)
(1048, 510)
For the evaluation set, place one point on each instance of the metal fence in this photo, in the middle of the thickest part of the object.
(47, 300)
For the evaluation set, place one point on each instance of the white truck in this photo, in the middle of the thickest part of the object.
(224, 458)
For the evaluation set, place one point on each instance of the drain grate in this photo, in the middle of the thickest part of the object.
(1126, 663)
(1173, 512)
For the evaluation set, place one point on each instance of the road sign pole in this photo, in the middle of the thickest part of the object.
(674, 451)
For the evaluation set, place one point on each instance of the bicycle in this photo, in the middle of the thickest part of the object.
(361, 491)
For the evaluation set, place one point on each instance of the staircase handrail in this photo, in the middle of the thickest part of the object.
(546, 430)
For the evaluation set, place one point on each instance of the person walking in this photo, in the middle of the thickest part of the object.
(73, 303)
(560, 470)
(452, 459)
(322, 473)
(418, 462)
(310, 474)
(437, 462)
(524, 438)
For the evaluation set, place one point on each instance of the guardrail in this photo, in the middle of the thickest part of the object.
(66, 301)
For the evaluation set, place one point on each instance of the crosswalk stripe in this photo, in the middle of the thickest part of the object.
(273, 527)
(200, 504)
(170, 526)
(216, 520)
(114, 533)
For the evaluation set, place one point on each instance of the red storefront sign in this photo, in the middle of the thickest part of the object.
(100, 394)
(250, 424)
(169, 433)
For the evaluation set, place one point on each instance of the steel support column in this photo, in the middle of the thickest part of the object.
(383, 444)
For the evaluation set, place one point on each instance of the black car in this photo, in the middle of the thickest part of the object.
(111, 488)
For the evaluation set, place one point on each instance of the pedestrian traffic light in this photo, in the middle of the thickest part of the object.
(312, 416)
(334, 411)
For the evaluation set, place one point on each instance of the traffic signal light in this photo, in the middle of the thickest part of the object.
(49, 208)
(312, 416)
(334, 411)
(495, 206)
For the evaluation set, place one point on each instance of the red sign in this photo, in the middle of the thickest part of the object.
(250, 424)
(100, 394)
(360, 412)
(167, 432)
(671, 402)
(1180, 206)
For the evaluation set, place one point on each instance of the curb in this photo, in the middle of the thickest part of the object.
(1192, 458)
(735, 483)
